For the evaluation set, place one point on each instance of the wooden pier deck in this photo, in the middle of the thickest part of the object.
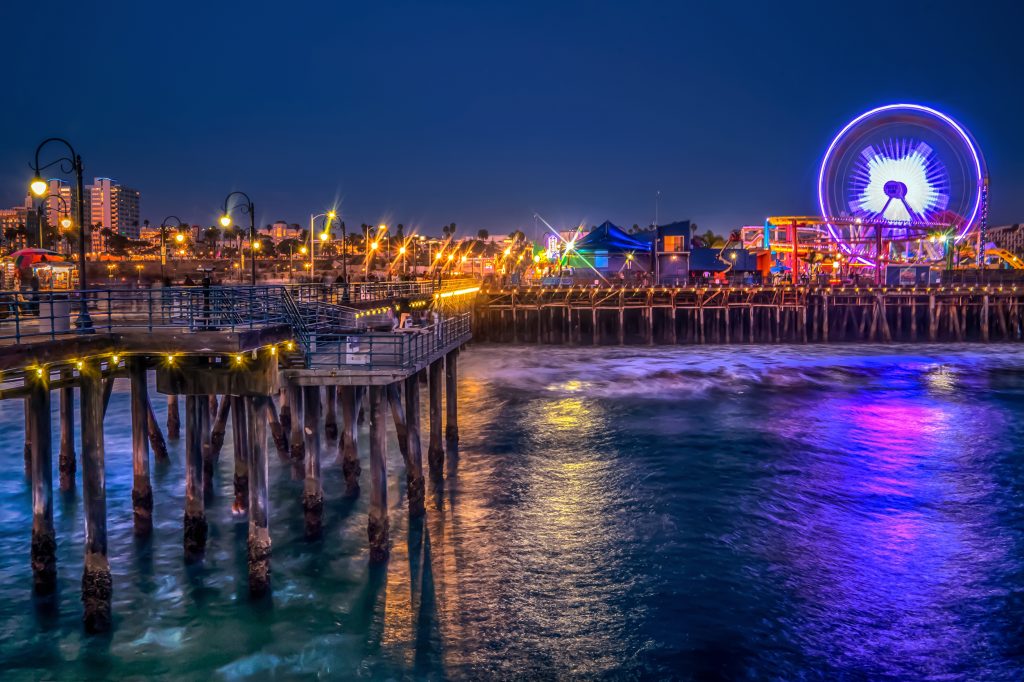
(280, 361)
(696, 315)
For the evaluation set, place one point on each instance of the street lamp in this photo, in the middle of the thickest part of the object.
(179, 237)
(330, 215)
(65, 222)
(405, 265)
(68, 164)
(245, 205)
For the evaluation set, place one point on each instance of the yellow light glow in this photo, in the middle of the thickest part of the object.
(451, 257)
(508, 252)
(79, 364)
(273, 350)
(225, 220)
(179, 237)
(256, 246)
(39, 372)
(438, 256)
(115, 359)
(463, 259)
(332, 215)
(401, 250)
(374, 246)
(290, 345)
(382, 226)
(38, 187)
(458, 292)
(238, 359)
(170, 359)
(536, 258)
(303, 250)
(324, 236)
(65, 223)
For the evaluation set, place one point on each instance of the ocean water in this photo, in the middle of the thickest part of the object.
(770, 512)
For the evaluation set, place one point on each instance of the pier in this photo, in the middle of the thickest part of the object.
(696, 315)
(275, 364)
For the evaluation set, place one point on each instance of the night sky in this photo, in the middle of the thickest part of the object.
(483, 113)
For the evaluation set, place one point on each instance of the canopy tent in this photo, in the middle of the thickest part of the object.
(608, 238)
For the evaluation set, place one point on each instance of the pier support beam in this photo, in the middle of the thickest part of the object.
(331, 413)
(195, 512)
(259, 507)
(240, 443)
(277, 430)
(414, 462)
(351, 398)
(156, 439)
(142, 491)
(44, 540)
(220, 426)
(435, 450)
(377, 527)
(451, 399)
(394, 396)
(312, 489)
(97, 586)
(295, 438)
(205, 422)
(173, 418)
(67, 458)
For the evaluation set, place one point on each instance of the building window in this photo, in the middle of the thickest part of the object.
(675, 244)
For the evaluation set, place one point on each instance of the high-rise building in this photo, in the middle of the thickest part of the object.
(115, 207)
(19, 226)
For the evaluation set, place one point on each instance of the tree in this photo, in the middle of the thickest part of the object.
(212, 235)
(709, 239)
(483, 235)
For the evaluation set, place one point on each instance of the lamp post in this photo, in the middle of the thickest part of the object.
(324, 236)
(65, 222)
(72, 163)
(245, 205)
(164, 224)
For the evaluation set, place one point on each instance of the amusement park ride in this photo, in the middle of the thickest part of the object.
(902, 186)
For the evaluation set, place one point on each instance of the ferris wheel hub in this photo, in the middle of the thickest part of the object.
(894, 189)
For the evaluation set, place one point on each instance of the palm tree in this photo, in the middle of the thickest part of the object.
(483, 235)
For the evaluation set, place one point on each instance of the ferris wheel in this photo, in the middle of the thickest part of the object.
(897, 176)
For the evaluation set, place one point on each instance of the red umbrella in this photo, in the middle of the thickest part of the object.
(26, 257)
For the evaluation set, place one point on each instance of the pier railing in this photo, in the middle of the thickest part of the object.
(359, 293)
(42, 315)
(398, 349)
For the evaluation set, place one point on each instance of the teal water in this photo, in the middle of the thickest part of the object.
(844, 512)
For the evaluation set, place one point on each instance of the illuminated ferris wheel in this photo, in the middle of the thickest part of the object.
(899, 176)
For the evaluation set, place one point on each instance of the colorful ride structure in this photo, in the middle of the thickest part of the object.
(902, 184)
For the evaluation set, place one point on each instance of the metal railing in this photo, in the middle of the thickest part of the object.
(363, 292)
(48, 315)
(399, 349)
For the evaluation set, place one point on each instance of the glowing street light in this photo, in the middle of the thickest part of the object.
(246, 206)
(70, 163)
(179, 237)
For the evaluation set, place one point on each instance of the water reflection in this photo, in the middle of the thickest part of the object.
(711, 513)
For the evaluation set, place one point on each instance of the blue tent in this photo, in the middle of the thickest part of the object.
(611, 239)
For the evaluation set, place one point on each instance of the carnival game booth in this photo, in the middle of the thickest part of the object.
(53, 272)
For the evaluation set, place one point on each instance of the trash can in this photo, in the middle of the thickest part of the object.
(55, 315)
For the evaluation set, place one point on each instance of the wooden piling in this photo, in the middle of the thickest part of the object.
(195, 512)
(173, 418)
(259, 545)
(312, 489)
(435, 450)
(205, 425)
(278, 432)
(377, 526)
(44, 539)
(451, 399)
(67, 459)
(220, 426)
(97, 586)
(142, 491)
(240, 445)
(414, 461)
(286, 411)
(296, 438)
(394, 398)
(331, 413)
(351, 397)
(156, 439)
